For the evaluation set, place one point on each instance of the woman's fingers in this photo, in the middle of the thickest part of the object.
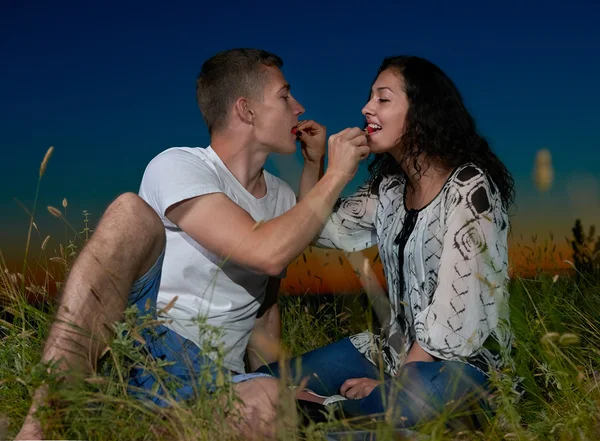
(356, 388)
(349, 384)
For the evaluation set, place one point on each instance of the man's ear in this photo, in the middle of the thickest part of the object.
(243, 110)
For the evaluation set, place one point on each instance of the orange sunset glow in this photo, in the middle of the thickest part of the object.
(326, 271)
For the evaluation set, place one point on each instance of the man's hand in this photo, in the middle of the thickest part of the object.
(357, 388)
(346, 149)
(260, 397)
(312, 141)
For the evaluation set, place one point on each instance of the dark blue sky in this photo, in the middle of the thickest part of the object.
(112, 84)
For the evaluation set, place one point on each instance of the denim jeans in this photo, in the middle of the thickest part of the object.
(188, 365)
(420, 392)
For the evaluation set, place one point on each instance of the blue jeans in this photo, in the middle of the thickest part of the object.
(418, 394)
(189, 368)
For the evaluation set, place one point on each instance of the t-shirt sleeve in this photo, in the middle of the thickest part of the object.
(176, 175)
(471, 291)
(351, 225)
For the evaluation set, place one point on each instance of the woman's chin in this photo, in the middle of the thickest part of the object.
(379, 148)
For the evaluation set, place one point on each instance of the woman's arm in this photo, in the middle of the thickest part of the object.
(417, 353)
(471, 296)
(351, 225)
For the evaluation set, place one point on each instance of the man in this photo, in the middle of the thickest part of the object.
(231, 230)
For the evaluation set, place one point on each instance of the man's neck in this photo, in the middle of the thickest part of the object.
(244, 160)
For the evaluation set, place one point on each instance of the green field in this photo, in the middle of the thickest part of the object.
(557, 355)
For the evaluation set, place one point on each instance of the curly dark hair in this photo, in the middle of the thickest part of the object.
(439, 127)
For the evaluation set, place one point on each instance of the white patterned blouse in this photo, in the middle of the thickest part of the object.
(446, 268)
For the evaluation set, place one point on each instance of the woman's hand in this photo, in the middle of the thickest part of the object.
(312, 140)
(357, 388)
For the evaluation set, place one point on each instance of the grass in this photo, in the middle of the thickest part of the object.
(557, 355)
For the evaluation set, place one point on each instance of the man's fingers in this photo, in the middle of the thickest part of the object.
(364, 152)
(351, 133)
(339, 134)
(360, 140)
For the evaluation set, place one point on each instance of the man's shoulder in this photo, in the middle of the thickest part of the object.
(181, 161)
(180, 168)
(178, 153)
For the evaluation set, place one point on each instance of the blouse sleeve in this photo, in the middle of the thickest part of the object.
(351, 225)
(471, 291)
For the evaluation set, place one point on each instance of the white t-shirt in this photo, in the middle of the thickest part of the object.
(207, 285)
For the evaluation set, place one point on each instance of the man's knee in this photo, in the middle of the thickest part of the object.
(131, 205)
(133, 211)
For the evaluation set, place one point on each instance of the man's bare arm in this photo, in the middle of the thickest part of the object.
(225, 229)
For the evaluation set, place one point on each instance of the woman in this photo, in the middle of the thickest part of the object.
(436, 206)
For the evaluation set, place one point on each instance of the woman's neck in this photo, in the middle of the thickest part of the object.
(424, 186)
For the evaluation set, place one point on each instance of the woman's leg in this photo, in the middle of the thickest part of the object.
(422, 392)
(327, 368)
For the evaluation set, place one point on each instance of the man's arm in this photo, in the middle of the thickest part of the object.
(265, 339)
(221, 226)
(313, 146)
